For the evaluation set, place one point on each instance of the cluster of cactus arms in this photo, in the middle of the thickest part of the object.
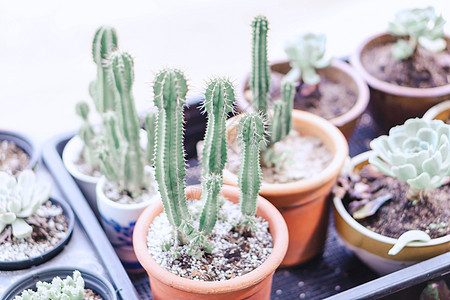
(69, 288)
(102, 90)
(121, 156)
(417, 153)
(251, 136)
(422, 27)
(20, 199)
(87, 135)
(306, 54)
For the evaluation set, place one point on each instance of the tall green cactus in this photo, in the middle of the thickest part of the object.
(211, 185)
(101, 90)
(150, 127)
(288, 91)
(87, 134)
(122, 67)
(251, 135)
(170, 90)
(282, 110)
(260, 76)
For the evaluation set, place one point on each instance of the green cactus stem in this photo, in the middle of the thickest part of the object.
(150, 127)
(211, 186)
(276, 129)
(101, 90)
(122, 67)
(251, 135)
(260, 76)
(288, 90)
(170, 95)
(87, 134)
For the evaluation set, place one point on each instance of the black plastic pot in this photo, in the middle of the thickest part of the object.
(93, 282)
(23, 142)
(23, 264)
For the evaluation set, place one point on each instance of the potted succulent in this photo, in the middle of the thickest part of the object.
(17, 152)
(300, 166)
(208, 243)
(128, 184)
(393, 212)
(79, 155)
(405, 68)
(33, 228)
(329, 88)
(47, 284)
(440, 111)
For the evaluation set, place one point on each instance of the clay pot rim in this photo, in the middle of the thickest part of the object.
(387, 87)
(123, 206)
(339, 207)
(330, 132)
(436, 110)
(355, 111)
(201, 287)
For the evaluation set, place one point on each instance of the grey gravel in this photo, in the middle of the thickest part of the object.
(234, 255)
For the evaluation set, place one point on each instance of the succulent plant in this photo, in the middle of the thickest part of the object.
(282, 109)
(87, 135)
(306, 54)
(416, 152)
(422, 27)
(260, 76)
(150, 127)
(20, 199)
(251, 136)
(69, 288)
(121, 157)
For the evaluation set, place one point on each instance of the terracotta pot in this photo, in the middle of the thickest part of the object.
(392, 104)
(303, 203)
(440, 111)
(253, 285)
(372, 248)
(339, 71)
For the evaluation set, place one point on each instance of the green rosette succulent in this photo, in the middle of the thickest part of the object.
(416, 152)
(422, 27)
(19, 199)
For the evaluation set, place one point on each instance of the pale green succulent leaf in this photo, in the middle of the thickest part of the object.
(436, 45)
(405, 172)
(421, 182)
(428, 135)
(21, 229)
(381, 165)
(402, 50)
(310, 76)
(7, 218)
(432, 165)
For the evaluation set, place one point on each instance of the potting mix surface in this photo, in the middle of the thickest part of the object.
(12, 158)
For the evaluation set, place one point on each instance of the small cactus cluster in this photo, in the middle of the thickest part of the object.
(422, 27)
(116, 147)
(281, 120)
(170, 91)
(69, 288)
(416, 152)
(19, 199)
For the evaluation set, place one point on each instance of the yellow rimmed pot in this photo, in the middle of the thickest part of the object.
(340, 72)
(304, 204)
(440, 111)
(391, 104)
(256, 284)
(372, 248)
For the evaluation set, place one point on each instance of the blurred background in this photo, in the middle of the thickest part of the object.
(45, 46)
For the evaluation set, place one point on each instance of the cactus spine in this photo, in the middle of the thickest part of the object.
(260, 77)
(87, 134)
(101, 90)
(170, 91)
(251, 135)
(150, 127)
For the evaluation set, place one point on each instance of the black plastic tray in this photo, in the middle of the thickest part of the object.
(328, 275)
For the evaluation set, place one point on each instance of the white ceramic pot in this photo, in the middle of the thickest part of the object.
(70, 155)
(118, 221)
(372, 248)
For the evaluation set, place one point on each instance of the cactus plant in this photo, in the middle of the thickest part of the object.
(87, 134)
(251, 136)
(19, 199)
(69, 288)
(260, 76)
(101, 90)
(306, 54)
(150, 127)
(416, 152)
(422, 27)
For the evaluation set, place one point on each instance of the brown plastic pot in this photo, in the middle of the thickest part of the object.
(256, 284)
(304, 204)
(371, 247)
(440, 111)
(339, 71)
(391, 104)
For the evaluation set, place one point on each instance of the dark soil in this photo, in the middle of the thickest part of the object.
(422, 70)
(329, 100)
(398, 215)
(12, 158)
